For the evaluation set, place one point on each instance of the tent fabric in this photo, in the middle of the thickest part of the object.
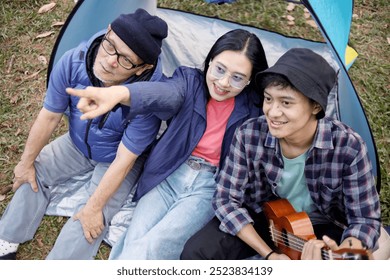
(190, 37)
(335, 17)
(336, 22)
(350, 56)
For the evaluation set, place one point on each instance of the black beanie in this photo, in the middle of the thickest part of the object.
(142, 32)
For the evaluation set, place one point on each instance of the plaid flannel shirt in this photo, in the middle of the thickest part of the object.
(338, 174)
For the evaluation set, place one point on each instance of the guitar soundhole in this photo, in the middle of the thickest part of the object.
(285, 238)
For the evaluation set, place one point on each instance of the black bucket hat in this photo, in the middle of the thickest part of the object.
(307, 71)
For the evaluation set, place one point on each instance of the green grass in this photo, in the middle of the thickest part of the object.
(23, 78)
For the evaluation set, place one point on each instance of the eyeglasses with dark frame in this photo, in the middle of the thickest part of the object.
(123, 61)
(218, 71)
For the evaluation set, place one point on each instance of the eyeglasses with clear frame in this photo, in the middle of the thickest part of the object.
(123, 61)
(219, 71)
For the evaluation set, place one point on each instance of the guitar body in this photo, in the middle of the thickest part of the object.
(290, 230)
(286, 225)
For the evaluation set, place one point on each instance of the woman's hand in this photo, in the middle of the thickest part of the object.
(96, 101)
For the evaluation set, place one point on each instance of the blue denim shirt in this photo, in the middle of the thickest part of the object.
(187, 124)
(338, 173)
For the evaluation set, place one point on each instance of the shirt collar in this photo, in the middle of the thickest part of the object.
(323, 136)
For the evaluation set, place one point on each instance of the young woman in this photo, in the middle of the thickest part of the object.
(177, 184)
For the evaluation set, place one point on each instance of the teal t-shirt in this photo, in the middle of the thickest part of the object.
(293, 184)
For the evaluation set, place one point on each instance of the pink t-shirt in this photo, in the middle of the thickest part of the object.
(209, 146)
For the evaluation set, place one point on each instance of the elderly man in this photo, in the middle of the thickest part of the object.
(109, 147)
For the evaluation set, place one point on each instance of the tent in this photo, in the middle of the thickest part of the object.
(191, 36)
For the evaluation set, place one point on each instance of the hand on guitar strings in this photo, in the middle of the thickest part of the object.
(312, 248)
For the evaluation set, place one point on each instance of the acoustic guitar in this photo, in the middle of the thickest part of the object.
(290, 230)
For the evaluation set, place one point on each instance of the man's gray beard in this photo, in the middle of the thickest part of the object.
(100, 79)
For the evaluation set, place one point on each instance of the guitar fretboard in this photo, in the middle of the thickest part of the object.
(296, 243)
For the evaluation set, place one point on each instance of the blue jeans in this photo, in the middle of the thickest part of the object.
(56, 164)
(167, 216)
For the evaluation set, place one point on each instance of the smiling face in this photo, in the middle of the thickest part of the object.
(106, 67)
(291, 116)
(235, 65)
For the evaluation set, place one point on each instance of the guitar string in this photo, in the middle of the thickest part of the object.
(297, 246)
(294, 243)
(297, 242)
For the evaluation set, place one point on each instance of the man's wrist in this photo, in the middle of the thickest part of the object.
(269, 254)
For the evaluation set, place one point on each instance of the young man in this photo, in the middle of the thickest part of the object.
(107, 146)
(318, 164)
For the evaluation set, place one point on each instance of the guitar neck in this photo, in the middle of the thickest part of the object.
(296, 243)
